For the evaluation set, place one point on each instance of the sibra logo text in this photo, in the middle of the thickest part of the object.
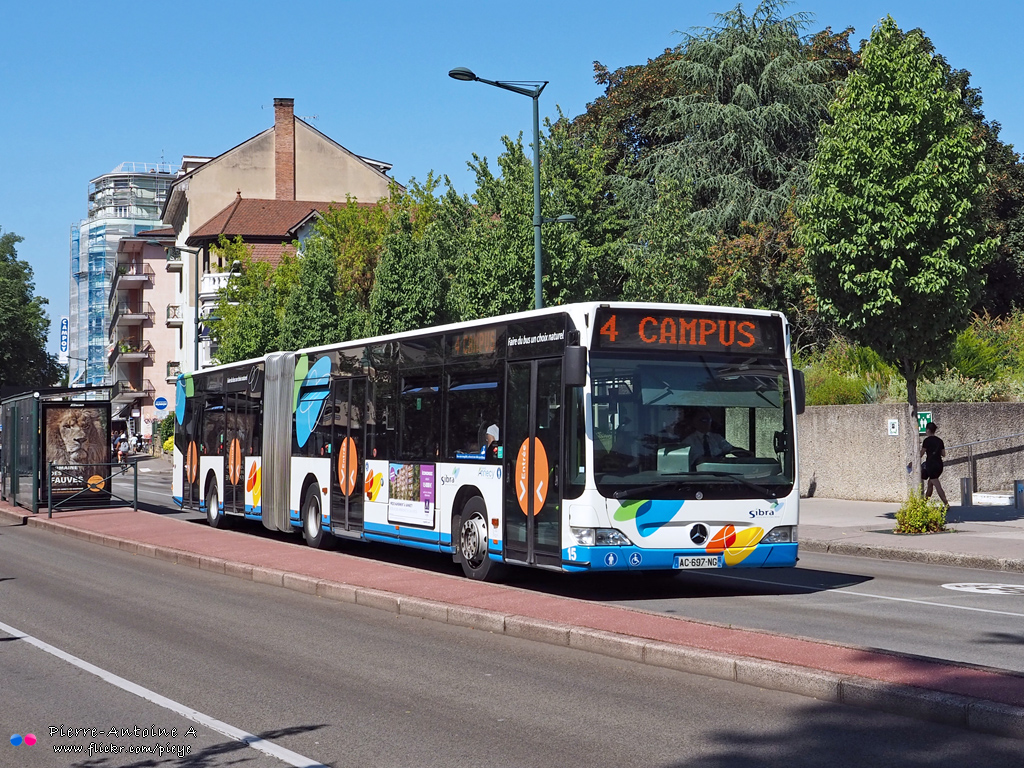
(756, 513)
(447, 479)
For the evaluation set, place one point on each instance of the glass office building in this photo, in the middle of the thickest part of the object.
(124, 202)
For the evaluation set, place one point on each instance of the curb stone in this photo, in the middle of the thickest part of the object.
(932, 557)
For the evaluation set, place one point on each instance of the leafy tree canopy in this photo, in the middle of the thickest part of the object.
(252, 305)
(893, 232)
(24, 324)
(741, 129)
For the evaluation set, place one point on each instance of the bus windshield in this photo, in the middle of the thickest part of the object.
(704, 426)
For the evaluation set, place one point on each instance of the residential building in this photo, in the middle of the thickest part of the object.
(253, 190)
(122, 203)
(143, 329)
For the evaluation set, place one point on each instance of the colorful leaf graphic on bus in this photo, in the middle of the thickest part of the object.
(650, 516)
(253, 483)
(312, 393)
(374, 482)
(736, 545)
(179, 399)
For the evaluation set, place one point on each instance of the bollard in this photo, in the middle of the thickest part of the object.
(966, 494)
(1018, 494)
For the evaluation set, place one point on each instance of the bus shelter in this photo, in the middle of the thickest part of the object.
(55, 446)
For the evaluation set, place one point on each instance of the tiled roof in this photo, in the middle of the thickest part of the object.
(162, 232)
(270, 252)
(264, 219)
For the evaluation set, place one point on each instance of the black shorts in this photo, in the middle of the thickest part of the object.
(931, 471)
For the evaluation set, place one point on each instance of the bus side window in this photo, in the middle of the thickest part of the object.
(420, 438)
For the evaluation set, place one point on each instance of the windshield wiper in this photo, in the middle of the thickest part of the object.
(643, 490)
(768, 494)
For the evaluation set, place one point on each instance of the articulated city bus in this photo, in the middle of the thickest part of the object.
(587, 437)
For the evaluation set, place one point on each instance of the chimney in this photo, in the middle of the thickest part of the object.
(284, 149)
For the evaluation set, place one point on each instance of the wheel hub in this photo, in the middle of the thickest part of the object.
(474, 539)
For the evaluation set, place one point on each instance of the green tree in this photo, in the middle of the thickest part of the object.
(413, 280)
(667, 259)
(765, 268)
(354, 233)
(741, 130)
(24, 324)
(618, 121)
(251, 307)
(893, 232)
(311, 313)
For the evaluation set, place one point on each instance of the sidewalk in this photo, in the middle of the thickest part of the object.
(989, 536)
(978, 699)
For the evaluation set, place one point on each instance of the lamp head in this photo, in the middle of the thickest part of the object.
(462, 73)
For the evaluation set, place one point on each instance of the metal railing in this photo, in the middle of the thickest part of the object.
(972, 457)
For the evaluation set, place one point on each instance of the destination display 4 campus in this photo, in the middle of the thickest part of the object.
(636, 329)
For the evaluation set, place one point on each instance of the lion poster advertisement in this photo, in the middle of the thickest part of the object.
(76, 439)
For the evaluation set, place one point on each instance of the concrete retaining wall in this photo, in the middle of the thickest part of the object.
(847, 452)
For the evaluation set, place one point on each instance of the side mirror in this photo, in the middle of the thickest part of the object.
(574, 366)
(799, 391)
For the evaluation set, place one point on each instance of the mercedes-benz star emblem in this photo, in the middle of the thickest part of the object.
(699, 533)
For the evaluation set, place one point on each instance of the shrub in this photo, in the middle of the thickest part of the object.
(827, 387)
(920, 515)
(169, 444)
(952, 387)
(974, 357)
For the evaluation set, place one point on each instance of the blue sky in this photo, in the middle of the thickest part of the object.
(87, 86)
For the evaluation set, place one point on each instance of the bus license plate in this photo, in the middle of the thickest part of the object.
(699, 561)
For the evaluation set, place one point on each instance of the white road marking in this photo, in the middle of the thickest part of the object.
(841, 591)
(249, 739)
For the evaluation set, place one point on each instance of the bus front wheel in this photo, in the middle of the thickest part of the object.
(312, 520)
(471, 539)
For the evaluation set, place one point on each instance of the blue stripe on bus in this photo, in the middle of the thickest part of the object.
(634, 558)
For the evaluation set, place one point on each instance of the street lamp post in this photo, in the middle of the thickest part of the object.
(467, 75)
(171, 249)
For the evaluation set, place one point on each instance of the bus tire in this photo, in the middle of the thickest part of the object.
(470, 537)
(214, 511)
(313, 519)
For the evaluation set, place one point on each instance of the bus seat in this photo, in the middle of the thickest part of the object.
(674, 459)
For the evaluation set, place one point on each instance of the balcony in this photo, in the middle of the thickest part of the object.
(126, 391)
(175, 315)
(130, 313)
(211, 284)
(174, 263)
(173, 369)
(128, 277)
(130, 351)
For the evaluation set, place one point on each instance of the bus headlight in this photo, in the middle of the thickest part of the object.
(784, 534)
(600, 537)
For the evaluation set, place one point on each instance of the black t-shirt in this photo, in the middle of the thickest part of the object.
(933, 448)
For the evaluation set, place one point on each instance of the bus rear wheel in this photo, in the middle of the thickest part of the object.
(470, 529)
(312, 520)
(214, 512)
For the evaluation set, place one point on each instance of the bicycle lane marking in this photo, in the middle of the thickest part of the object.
(249, 739)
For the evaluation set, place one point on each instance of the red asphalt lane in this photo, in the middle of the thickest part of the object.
(145, 528)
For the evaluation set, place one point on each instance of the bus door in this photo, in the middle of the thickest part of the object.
(190, 430)
(348, 454)
(235, 450)
(533, 449)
